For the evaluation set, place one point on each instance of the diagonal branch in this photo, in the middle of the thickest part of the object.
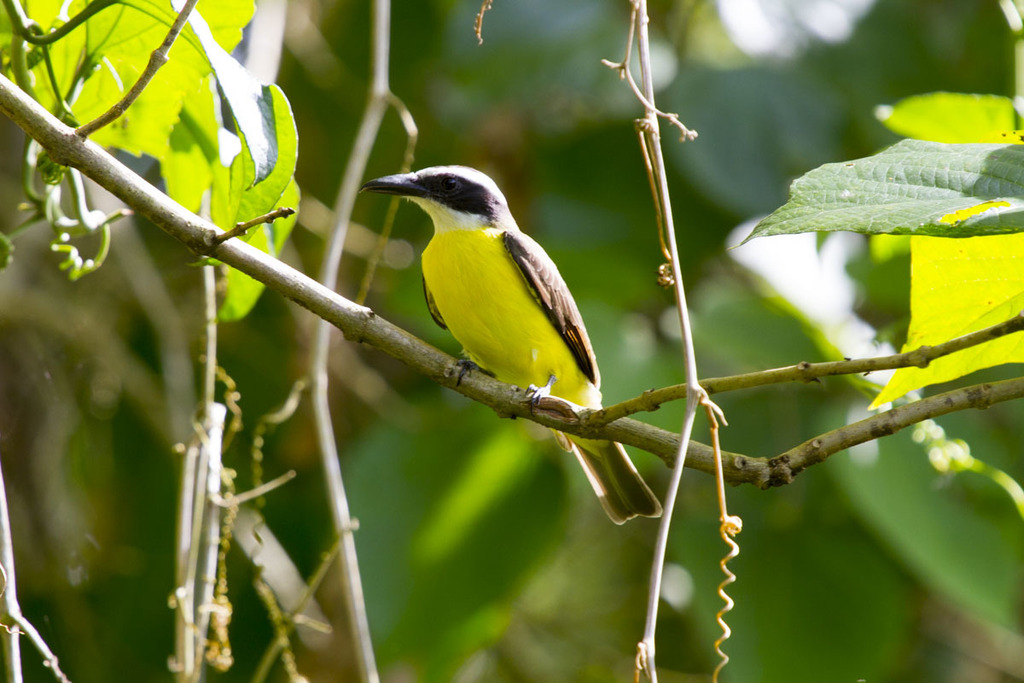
(361, 325)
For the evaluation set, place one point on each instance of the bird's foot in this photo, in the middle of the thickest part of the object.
(537, 393)
(466, 366)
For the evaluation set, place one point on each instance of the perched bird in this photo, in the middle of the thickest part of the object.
(501, 296)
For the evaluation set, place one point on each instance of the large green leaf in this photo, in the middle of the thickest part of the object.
(193, 153)
(958, 286)
(911, 188)
(120, 40)
(253, 105)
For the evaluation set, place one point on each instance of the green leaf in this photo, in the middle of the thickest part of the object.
(236, 204)
(939, 537)
(959, 287)
(120, 40)
(949, 117)
(263, 196)
(242, 291)
(188, 166)
(911, 188)
(225, 20)
(252, 103)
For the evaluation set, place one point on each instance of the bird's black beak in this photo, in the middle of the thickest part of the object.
(402, 184)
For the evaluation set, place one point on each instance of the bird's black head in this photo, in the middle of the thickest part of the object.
(453, 190)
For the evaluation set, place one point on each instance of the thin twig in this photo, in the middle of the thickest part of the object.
(10, 609)
(198, 515)
(277, 645)
(478, 23)
(651, 146)
(376, 106)
(235, 500)
(412, 136)
(156, 60)
(806, 372)
(242, 228)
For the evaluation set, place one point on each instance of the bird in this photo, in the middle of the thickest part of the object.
(497, 291)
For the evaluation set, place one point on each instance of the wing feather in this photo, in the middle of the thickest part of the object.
(432, 306)
(554, 296)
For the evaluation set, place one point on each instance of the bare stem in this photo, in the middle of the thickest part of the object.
(478, 23)
(787, 465)
(651, 147)
(156, 60)
(377, 104)
(12, 622)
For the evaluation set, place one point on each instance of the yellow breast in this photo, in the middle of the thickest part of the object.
(488, 307)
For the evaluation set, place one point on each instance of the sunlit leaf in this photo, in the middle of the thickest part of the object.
(950, 117)
(277, 189)
(187, 167)
(252, 103)
(120, 40)
(960, 286)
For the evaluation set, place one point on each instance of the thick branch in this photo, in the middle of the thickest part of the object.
(358, 323)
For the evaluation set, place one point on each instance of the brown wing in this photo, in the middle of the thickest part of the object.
(434, 313)
(551, 292)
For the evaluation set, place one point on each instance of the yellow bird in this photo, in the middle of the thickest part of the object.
(501, 296)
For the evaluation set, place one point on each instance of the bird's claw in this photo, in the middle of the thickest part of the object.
(538, 393)
(466, 366)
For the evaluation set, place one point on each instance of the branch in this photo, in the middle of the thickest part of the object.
(361, 325)
(358, 323)
(979, 396)
(809, 372)
(379, 98)
(242, 228)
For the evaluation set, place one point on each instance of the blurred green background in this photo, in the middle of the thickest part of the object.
(484, 554)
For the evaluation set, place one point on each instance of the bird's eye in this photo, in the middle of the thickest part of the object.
(450, 184)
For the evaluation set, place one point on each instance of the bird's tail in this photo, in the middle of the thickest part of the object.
(622, 491)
